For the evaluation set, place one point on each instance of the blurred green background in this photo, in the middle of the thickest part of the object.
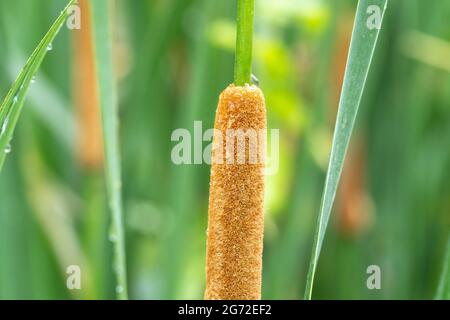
(173, 58)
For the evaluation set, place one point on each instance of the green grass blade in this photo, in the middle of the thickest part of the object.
(11, 107)
(443, 292)
(361, 51)
(101, 12)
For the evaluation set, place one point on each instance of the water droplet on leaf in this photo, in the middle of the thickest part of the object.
(255, 80)
(119, 289)
(4, 125)
(112, 237)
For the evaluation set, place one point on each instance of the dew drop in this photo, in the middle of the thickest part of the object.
(15, 99)
(255, 80)
(112, 237)
(119, 289)
(8, 148)
(50, 47)
(4, 125)
(344, 123)
(33, 80)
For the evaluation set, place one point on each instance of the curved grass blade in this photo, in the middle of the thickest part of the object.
(101, 12)
(12, 106)
(368, 20)
(444, 284)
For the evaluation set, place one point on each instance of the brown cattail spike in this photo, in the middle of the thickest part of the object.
(236, 203)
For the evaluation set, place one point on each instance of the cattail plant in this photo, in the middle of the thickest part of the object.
(236, 203)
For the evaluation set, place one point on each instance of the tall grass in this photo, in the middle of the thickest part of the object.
(101, 13)
(361, 51)
(12, 105)
(174, 58)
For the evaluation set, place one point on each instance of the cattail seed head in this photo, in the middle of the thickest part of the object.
(236, 203)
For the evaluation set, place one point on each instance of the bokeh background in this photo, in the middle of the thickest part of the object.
(172, 59)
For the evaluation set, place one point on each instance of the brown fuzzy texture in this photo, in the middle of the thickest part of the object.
(236, 203)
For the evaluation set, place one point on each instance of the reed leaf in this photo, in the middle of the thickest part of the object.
(366, 29)
(101, 13)
(11, 107)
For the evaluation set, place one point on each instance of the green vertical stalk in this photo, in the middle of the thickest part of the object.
(244, 42)
(101, 11)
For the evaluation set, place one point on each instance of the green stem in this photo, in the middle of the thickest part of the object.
(244, 42)
(101, 11)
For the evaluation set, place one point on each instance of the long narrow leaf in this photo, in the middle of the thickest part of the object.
(12, 106)
(444, 284)
(101, 11)
(368, 20)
